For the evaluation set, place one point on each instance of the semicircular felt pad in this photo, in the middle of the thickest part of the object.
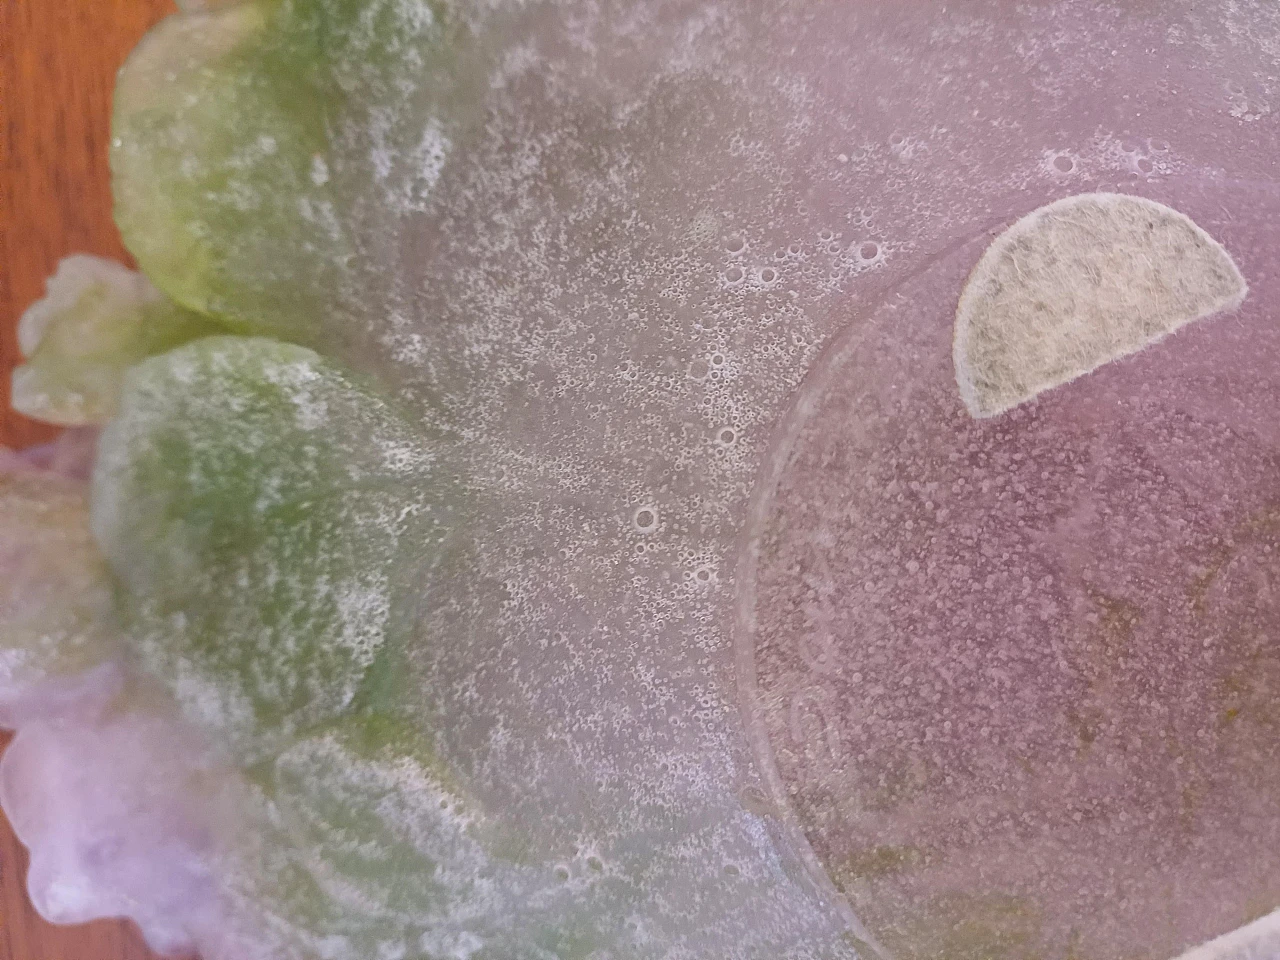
(1077, 284)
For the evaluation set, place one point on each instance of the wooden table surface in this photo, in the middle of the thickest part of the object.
(58, 60)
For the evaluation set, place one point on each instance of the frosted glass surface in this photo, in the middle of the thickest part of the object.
(574, 543)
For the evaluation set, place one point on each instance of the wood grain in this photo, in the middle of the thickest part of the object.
(58, 60)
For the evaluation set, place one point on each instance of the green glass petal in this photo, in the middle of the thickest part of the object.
(359, 823)
(96, 320)
(268, 517)
(55, 600)
(263, 152)
(366, 839)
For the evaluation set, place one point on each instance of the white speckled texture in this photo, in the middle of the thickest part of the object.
(670, 287)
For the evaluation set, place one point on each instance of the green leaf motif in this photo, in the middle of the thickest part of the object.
(269, 518)
(264, 152)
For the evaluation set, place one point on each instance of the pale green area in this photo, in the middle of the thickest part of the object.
(362, 836)
(55, 602)
(96, 320)
(268, 518)
(262, 151)
(969, 927)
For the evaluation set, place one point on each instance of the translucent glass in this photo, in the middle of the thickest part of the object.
(608, 564)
